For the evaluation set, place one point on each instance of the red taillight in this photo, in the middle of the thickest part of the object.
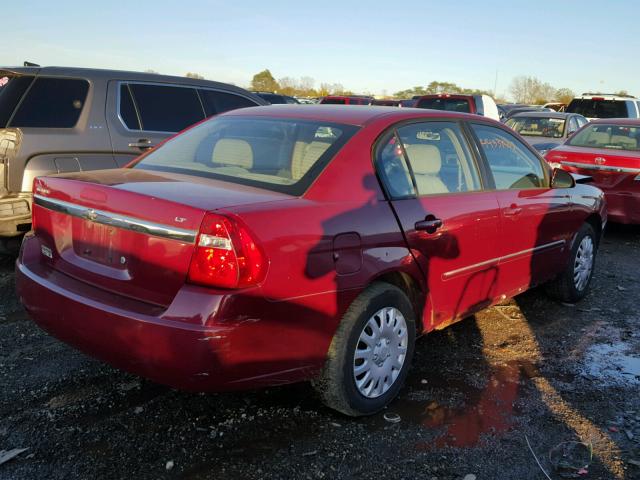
(226, 255)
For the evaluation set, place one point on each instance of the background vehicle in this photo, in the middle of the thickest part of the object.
(55, 120)
(276, 98)
(479, 104)
(555, 106)
(546, 130)
(346, 100)
(609, 152)
(386, 103)
(275, 245)
(523, 109)
(604, 105)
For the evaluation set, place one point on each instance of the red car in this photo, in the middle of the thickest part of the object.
(608, 150)
(280, 244)
(345, 100)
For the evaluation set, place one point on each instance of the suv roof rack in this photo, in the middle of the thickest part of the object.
(608, 94)
(30, 64)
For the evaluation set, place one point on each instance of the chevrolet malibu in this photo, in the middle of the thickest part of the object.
(281, 244)
(609, 151)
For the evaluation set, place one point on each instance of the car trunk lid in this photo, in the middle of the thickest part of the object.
(609, 168)
(127, 231)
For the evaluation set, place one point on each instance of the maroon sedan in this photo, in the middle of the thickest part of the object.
(608, 150)
(280, 244)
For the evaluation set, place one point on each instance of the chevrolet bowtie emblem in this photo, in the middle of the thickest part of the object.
(91, 215)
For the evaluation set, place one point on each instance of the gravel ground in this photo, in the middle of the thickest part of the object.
(528, 370)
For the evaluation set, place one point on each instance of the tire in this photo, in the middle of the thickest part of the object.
(388, 361)
(569, 286)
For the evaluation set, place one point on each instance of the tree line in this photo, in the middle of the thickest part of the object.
(523, 89)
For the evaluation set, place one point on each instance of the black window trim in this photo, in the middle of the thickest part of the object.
(546, 169)
(59, 77)
(165, 84)
(392, 130)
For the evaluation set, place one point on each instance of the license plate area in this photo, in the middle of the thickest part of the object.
(98, 243)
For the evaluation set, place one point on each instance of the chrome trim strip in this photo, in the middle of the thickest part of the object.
(605, 168)
(115, 220)
(498, 260)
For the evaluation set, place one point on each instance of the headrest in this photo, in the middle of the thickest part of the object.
(625, 141)
(425, 159)
(229, 151)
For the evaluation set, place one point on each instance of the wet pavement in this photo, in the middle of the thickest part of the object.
(565, 378)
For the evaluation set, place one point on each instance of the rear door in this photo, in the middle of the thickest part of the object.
(536, 222)
(449, 221)
(141, 115)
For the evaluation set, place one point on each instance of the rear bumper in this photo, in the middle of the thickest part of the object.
(15, 215)
(623, 207)
(202, 342)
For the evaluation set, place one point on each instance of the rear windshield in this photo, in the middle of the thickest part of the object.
(277, 154)
(333, 101)
(598, 108)
(537, 126)
(617, 137)
(11, 90)
(448, 104)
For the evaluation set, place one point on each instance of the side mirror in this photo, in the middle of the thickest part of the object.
(562, 179)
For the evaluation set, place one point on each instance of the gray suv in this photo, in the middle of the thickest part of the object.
(55, 120)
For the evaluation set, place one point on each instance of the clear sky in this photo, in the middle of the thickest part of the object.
(376, 47)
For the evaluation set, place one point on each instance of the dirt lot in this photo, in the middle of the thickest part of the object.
(530, 369)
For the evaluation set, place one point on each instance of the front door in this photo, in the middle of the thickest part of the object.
(536, 221)
(449, 221)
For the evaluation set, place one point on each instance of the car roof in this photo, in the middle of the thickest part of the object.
(632, 122)
(536, 114)
(445, 95)
(358, 115)
(105, 74)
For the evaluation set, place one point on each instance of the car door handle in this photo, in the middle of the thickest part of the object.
(430, 224)
(512, 211)
(142, 144)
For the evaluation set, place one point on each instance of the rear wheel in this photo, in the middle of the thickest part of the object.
(572, 285)
(370, 353)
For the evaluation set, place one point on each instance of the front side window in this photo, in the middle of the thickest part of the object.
(276, 154)
(616, 137)
(216, 102)
(439, 158)
(52, 103)
(537, 126)
(512, 165)
(127, 109)
(448, 104)
(165, 108)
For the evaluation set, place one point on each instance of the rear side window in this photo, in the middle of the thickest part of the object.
(599, 108)
(439, 158)
(166, 108)
(219, 102)
(448, 104)
(52, 103)
(11, 90)
(276, 154)
(512, 165)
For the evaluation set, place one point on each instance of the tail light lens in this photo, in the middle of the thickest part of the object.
(226, 255)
